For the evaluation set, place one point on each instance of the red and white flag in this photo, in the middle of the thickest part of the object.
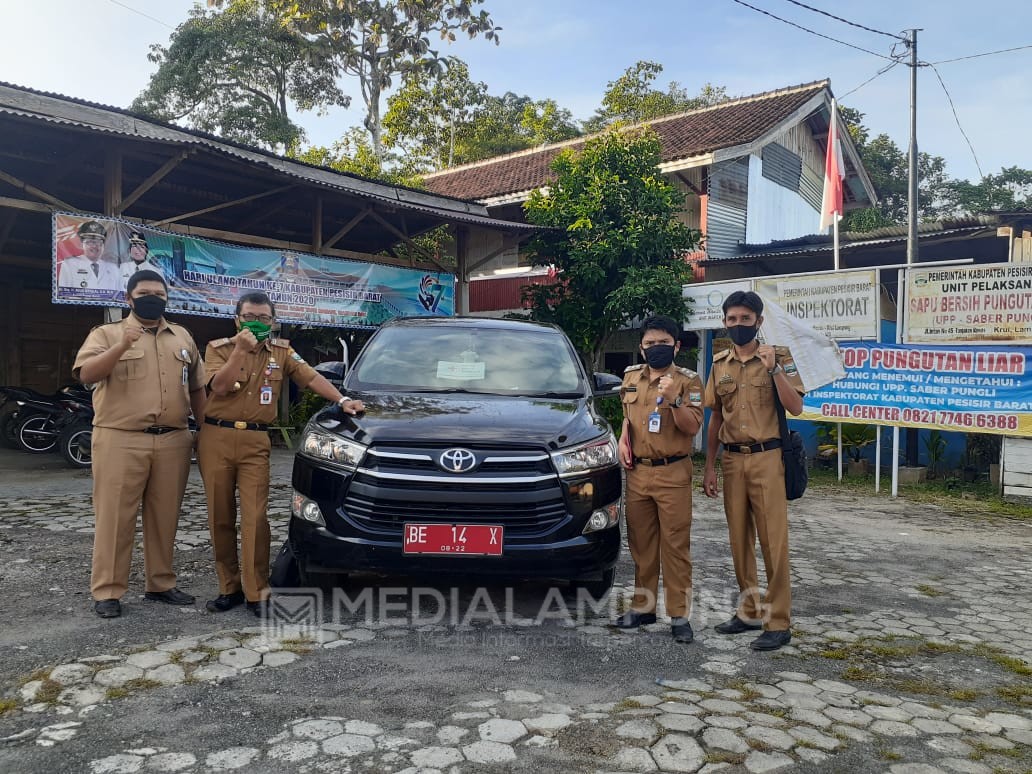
(834, 172)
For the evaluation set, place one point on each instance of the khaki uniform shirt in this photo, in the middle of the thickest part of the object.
(743, 392)
(638, 393)
(273, 361)
(152, 380)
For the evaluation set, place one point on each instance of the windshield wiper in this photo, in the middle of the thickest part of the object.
(567, 394)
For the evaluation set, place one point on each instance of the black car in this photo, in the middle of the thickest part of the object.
(480, 453)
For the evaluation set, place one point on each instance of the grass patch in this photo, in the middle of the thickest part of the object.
(758, 745)
(48, 692)
(115, 693)
(141, 684)
(963, 694)
(628, 704)
(981, 749)
(837, 654)
(748, 692)
(39, 674)
(930, 591)
(719, 756)
(8, 705)
(889, 755)
(1016, 694)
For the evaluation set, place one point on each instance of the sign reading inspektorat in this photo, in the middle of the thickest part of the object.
(842, 306)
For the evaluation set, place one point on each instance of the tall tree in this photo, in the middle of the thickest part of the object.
(632, 98)
(1009, 191)
(377, 41)
(236, 74)
(614, 237)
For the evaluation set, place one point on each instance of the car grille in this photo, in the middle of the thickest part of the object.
(515, 488)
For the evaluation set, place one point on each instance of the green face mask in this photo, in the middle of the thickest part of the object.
(259, 329)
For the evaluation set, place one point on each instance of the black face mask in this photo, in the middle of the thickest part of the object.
(742, 334)
(149, 307)
(659, 355)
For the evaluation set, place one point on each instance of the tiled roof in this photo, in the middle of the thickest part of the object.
(683, 135)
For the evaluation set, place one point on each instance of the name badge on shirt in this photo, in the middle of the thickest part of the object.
(186, 374)
(265, 396)
(654, 422)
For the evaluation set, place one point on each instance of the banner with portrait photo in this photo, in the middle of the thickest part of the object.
(94, 256)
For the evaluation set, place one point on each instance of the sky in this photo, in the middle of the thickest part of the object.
(568, 50)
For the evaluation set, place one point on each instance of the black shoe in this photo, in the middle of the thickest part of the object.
(771, 640)
(259, 609)
(632, 619)
(107, 608)
(682, 630)
(172, 596)
(735, 626)
(224, 602)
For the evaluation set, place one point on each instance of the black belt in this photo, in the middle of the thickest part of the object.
(756, 448)
(659, 460)
(161, 429)
(235, 425)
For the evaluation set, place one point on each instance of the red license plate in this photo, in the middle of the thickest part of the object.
(454, 539)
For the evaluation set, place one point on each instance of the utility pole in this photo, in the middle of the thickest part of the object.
(912, 203)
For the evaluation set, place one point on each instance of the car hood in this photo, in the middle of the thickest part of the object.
(464, 419)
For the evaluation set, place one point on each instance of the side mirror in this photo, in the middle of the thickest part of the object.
(333, 371)
(606, 384)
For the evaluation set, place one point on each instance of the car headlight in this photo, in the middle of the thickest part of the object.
(600, 453)
(604, 518)
(332, 448)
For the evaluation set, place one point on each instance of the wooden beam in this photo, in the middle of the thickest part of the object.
(697, 191)
(347, 227)
(24, 204)
(223, 205)
(5, 227)
(263, 215)
(416, 247)
(33, 191)
(150, 182)
(317, 225)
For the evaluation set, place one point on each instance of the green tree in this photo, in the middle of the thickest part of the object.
(888, 167)
(378, 41)
(632, 98)
(613, 235)
(1009, 191)
(353, 154)
(236, 74)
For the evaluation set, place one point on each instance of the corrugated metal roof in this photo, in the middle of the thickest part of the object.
(59, 109)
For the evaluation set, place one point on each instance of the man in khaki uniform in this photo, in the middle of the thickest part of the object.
(662, 413)
(740, 390)
(148, 376)
(245, 375)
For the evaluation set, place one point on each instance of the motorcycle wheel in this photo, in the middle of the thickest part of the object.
(75, 443)
(36, 434)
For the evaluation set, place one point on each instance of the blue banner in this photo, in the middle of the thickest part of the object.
(93, 257)
(966, 389)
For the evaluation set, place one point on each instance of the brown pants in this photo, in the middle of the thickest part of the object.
(659, 532)
(232, 460)
(129, 468)
(755, 506)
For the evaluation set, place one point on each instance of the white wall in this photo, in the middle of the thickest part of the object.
(775, 212)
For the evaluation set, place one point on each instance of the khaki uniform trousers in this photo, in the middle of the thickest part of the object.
(755, 506)
(232, 460)
(130, 467)
(658, 510)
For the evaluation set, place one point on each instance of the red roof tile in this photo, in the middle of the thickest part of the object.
(683, 135)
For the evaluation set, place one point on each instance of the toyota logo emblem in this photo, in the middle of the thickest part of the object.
(457, 460)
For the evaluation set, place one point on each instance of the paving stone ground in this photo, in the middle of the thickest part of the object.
(910, 653)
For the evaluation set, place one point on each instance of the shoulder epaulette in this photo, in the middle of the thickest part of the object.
(631, 368)
(279, 342)
(687, 372)
(219, 342)
(724, 353)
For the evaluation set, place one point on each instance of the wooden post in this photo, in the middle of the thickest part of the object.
(462, 270)
(317, 225)
(112, 206)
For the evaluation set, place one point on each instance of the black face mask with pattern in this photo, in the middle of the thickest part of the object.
(742, 334)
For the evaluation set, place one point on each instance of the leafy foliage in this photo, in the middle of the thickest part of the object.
(614, 238)
(376, 41)
(631, 98)
(236, 74)
(1009, 191)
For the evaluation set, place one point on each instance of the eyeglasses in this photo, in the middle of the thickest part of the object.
(262, 318)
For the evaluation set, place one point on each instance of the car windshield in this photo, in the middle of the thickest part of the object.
(502, 361)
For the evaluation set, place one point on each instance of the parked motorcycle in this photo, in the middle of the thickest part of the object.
(75, 437)
(40, 418)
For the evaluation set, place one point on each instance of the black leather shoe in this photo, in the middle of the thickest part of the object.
(736, 626)
(632, 619)
(259, 609)
(108, 608)
(172, 596)
(771, 640)
(224, 602)
(682, 630)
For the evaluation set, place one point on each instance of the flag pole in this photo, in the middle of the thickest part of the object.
(832, 140)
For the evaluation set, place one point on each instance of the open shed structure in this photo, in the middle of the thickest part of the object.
(59, 153)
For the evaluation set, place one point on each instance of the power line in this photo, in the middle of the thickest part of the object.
(976, 56)
(812, 32)
(878, 74)
(141, 13)
(844, 21)
(981, 174)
